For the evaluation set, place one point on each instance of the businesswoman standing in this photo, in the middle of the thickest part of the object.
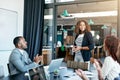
(83, 43)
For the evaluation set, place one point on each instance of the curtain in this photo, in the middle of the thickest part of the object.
(33, 26)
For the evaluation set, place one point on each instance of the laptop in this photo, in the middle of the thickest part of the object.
(37, 73)
(55, 64)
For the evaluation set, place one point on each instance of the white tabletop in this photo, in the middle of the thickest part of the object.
(69, 74)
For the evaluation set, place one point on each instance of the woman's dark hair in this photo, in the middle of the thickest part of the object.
(16, 40)
(77, 29)
(112, 42)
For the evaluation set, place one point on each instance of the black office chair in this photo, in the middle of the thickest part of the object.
(16, 76)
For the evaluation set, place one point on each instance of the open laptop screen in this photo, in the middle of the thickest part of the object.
(37, 73)
(55, 64)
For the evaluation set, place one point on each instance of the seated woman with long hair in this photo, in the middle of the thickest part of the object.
(111, 66)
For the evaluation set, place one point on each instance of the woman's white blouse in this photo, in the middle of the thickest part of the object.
(110, 69)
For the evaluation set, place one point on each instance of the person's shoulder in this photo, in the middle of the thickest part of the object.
(15, 51)
(107, 63)
(88, 32)
(109, 59)
(14, 54)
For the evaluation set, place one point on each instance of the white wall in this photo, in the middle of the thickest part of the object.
(18, 6)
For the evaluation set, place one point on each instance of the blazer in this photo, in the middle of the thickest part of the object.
(19, 63)
(87, 41)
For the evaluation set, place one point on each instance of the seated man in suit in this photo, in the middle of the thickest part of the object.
(19, 62)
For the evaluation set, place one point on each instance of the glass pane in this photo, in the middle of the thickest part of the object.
(101, 16)
(48, 1)
(48, 18)
(64, 0)
(47, 36)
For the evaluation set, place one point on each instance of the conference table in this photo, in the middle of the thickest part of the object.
(65, 73)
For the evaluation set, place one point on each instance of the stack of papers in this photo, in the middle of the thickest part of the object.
(74, 76)
(89, 74)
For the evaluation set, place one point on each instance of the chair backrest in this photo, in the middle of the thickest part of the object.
(37, 73)
(8, 68)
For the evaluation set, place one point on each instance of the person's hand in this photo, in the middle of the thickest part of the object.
(96, 62)
(80, 73)
(98, 67)
(37, 58)
(73, 48)
(92, 60)
(100, 63)
(77, 48)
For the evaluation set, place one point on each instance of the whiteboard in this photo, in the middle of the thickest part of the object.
(8, 28)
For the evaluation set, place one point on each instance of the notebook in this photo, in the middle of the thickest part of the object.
(55, 64)
(37, 73)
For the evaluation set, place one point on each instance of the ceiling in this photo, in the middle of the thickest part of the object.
(89, 7)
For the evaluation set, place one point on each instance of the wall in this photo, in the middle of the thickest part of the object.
(17, 6)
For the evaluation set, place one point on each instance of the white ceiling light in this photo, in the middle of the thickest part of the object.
(65, 0)
(48, 17)
(95, 14)
(89, 14)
